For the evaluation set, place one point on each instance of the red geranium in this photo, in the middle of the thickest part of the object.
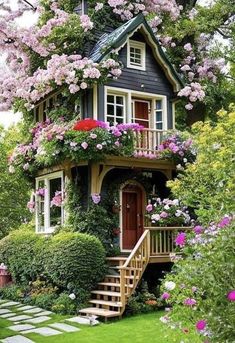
(86, 125)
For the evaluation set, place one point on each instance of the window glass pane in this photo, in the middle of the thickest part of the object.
(119, 111)
(158, 116)
(55, 201)
(120, 100)
(110, 110)
(159, 126)
(110, 120)
(158, 104)
(40, 199)
(110, 99)
(119, 120)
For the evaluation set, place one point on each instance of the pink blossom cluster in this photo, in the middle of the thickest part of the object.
(127, 9)
(57, 199)
(86, 22)
(193, 92)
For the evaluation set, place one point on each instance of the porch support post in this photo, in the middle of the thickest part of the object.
(98, 173)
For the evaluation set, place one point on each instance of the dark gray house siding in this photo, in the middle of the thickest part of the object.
(152, 80)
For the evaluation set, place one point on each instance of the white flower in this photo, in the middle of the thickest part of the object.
(155, 217)
(175, 202)
(11, 169)
(166, 207)
(170, 285)
(72, 296)
(164, 319)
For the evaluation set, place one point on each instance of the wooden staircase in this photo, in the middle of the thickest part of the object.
(110, 298)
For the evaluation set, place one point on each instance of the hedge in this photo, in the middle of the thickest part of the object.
(19, 251)
(75, 261)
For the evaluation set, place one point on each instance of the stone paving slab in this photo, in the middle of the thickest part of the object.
(21, 327)
(38, 320)
(2, 301)
(9, 304)
(8, 315)
(79, 320)
(23, 308)
(4, 310)
(64, 327)
(44, 331)
(16, 339)
(34, 310)
(44, 313)
(19, 318)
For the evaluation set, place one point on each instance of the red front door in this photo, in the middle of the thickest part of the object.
(132, 216)
(141, 113)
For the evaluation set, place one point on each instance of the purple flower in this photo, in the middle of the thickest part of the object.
(96, 198)
(231, 295)
(57, 199)
(165, 296)
(41, 192)
(181, 239)
(200, 325)
(190, 302)
(149, 207)
(224, 222)
(198, 229)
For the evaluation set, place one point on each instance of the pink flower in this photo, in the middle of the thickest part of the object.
(57, 199)
(163, 214)
(181, 239)
(231, 295)
(190, 302)
(93, 135)
(99, 146)
(200, 325)
(165, 296)
(84, 145)
(31, 206)
(96, 198)
(149, 207)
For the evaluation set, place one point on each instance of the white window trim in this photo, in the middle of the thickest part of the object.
(142, 47)
(129, 94)
(46, 178)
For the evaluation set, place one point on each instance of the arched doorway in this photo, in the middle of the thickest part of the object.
(132, 214)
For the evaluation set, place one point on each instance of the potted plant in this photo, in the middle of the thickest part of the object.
(168, 212)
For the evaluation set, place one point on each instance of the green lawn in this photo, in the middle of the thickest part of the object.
(137, 329)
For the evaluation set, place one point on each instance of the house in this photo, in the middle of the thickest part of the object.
(144, 94)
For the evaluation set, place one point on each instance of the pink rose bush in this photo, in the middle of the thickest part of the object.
(168, 212)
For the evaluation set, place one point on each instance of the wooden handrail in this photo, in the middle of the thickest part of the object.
(134, 251)
(168, 228)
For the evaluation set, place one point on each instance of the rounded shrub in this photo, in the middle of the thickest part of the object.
(75, 261)
(19, 251)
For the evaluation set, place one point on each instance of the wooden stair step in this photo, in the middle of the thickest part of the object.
(99, 312)
(106, 302)
(109, 284)
(127, 268)
(108, 293)
(116, 258)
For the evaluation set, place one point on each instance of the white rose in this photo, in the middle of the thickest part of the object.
(170, 285)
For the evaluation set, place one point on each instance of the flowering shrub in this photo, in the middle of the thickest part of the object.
(53, 142)
(178, 149)
(168, 212)
(201, 286)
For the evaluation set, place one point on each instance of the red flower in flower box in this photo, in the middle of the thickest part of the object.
(86, 125)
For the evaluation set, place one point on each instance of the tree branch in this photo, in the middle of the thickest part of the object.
(223, 34)
(29, 4)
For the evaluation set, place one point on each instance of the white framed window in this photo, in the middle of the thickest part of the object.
(49, 196)
(158, 114)
(136, 55)
(115, 108)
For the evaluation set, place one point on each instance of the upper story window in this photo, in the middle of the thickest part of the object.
(158, 115)
(49, 202)
(116, 111)
(136, 55)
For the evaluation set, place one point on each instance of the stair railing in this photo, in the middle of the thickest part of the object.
(134, 267)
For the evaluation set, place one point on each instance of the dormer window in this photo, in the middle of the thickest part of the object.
(136, 56)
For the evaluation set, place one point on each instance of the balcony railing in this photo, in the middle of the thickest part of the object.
(147, 140)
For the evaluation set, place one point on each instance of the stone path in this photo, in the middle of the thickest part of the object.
(25, 318)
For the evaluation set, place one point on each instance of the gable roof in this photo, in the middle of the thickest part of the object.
(118, 38)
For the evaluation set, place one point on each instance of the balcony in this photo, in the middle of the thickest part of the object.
(147, 141)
